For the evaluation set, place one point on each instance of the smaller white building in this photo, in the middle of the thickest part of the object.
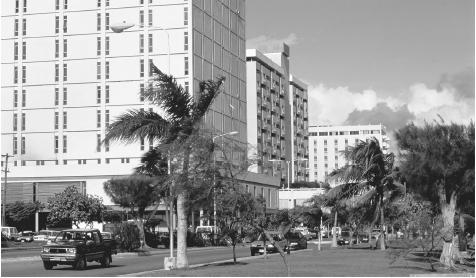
(290, 198)
(327, 143)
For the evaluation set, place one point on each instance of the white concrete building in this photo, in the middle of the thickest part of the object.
(276, 115)
(326, 144)
(66, 76)
(290, 198)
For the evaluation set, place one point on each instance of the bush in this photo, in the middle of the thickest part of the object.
(126, 235)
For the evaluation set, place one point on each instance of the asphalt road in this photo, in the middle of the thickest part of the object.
(122, 264)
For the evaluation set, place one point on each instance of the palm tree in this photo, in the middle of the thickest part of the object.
(175, 130)
(369, 178)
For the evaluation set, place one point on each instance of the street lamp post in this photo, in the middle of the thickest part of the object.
(232, 133)
(169, 262)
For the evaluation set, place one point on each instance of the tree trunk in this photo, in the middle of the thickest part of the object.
(182, 260)
(334, 231)
(140, 225)
(234, 253)
(448, 214)
(382, 233)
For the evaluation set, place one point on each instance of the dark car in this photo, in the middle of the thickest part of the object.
(257, 247)
(25, 236)
(360, 238)
(296, 240)
(76, 248)
(344, 238)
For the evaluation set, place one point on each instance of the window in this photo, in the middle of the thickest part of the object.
(107, 93)
(325, 142)
(56, 48)
(106, 147)
(107, 45)
(185, 41)
(17, 6)
(185, 16)
(56, 143)
(323, 133)
(186, 86)
(65, 162)
(15, 74)
(141, 92)
(24, 6)
(99, 21)
(65, 144)
(98, 90)
(15, 145)
(107, 21)
(65, 24)
(107, 69)
(99, 3)
(98, 70)
(98, 143)
(98, 52)
(186, 65)
(65, 96)
(56, 72)
(15, 51)
(56, 120)
(151, 65)
(65, 72)
(23, 143)
(151, 44)
(141, 43)
(150, 18)
(98, 114)
(23, 98)
(151, 144)
(354, 132)
(23, 74)
(15, 122)
(57, 24)
(141, 18)
(325, 157)
(141, 67)
(107, 118)
(65, 48)
(15, 98)
(325, 165)
(57, 5)
(65, 4)
(56, 96)
(107, 3)
(24, 27)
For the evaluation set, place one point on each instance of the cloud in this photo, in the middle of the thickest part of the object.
(267, 44)
(462, 83)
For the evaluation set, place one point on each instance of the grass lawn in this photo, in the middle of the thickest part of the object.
(311, 262)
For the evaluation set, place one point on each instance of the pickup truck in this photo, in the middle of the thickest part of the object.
(76, 248)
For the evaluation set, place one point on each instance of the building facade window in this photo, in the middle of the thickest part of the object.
(56, 48)
(23, 54)
(65, 24)
(15, 98)
(107, 118)
(185, 16)
(98, 22)
(65, 96)
(107, 94)
(15, 122)
(98, 70)
(107, 70)
(23, 145)
(107, 46)
(185, 41)
(151, 66)
(15, 74)
(65, 4)
(106, 145)
(141, 67)
(65, 120)
(150, 18)
(98, 91)
(65, 72)
(151, 43)
(23, 74)
(57, 73)
(186, 65)
(141, 91)
(107, 21)
(99, 3)
(142, 143)
(24, 6)
(24, 27)
(56, 144)
(23, 98)
(56, 96)
(17, 6)
(65, 144)
(56, 120)
(141, 18)
(141, 43)
(98, 118)
(57, 4)
(98, 143)
(15, 51)
(15, 145)
(98, 51)
(65, 48)
(57, 24)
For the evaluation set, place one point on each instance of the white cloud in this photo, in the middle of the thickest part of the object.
(267, 44)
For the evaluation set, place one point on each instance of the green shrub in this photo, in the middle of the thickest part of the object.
(129, 238)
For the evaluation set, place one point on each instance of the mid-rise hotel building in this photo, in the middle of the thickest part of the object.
(326, 144)
(277, 115)
(66, 76)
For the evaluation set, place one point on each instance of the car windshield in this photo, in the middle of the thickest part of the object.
(71, 235)
(293, 235)
(345, 233)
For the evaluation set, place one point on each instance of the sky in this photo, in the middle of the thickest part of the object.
(374, 61)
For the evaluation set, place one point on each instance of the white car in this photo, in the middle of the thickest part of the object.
(44, 235)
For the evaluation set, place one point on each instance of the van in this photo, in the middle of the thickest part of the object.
(10, 232)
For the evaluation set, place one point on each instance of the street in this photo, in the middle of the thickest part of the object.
(122, 264)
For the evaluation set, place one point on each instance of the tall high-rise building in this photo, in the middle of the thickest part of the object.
(277, 115)
(66, 76)
(326, 144)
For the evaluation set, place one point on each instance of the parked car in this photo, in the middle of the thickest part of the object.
(362, 238)
(76, 248)
(344, 238)
(43, 235)
(258, 247)
(10, 232)
(304, 231)
(106, 235)
(25, 236)
(296, 241)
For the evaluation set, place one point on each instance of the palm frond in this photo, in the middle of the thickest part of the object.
(208, 91)
(153, 163)
(366, 198)
(170, 96)
(137, 124)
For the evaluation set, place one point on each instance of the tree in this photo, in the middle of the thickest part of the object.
(19, 212)
(71, 205)
(182, 118)
(369, 178)
(438, 163)
(134, 192)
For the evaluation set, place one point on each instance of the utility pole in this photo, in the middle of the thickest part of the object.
(4, 193)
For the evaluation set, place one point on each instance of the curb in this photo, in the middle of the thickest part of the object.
(208, 264)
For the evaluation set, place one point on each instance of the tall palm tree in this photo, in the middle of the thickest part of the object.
(369, 178)
(181, 121)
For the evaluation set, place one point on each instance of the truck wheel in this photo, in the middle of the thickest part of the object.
(106, 261)
(47, 265)
(80, 264)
